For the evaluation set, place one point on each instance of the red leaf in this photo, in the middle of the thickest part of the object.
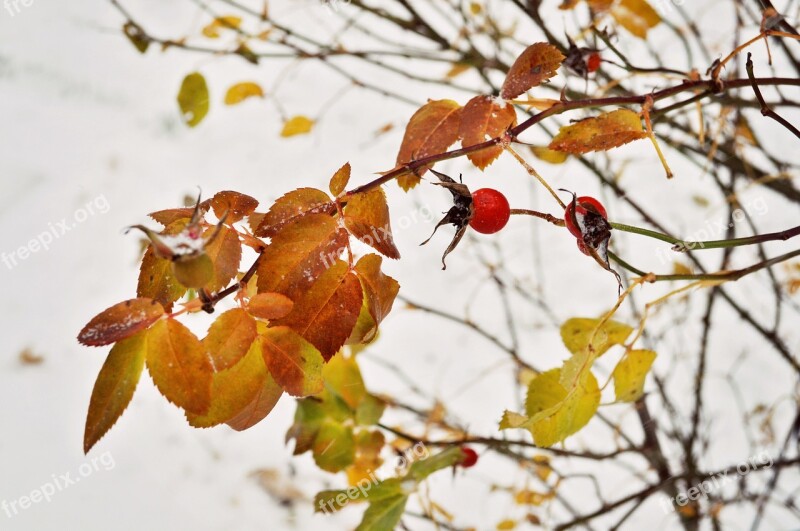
(120, 321)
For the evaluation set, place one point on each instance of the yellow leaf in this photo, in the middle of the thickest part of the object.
(576, 333)
(601, 133)
(212, 30)
(630, 373)
(549, 155)
(297, 125)
(636, 16)
(506, 524)
(193, 99)
(241, 91)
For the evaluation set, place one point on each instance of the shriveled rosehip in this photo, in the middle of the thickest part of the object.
(470, 457)
(593, 62)
(491, 211)
(583, 204)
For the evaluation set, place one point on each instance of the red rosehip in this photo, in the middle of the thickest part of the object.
(491, 211)
(583, 204)
(593, 62)
(470, 457)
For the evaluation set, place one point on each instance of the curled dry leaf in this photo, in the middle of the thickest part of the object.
(431, 130)
(600, 133)
(537, 64)
(120, 321)
(485, 118)
(366, 216)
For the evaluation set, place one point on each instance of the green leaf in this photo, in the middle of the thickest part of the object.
(114, 387)
(193, 99)
(424, 467)
(332, 500)
(383, 515)
(630, 374)
(334, 447)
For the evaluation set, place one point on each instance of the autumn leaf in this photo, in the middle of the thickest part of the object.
(292, 207)
(299, 253)
(295, 363)
(367, 456)
(269, 306)
(225, 252)
(120, 321)
(484, 118)
(173, 218)
(549, 155)
(179, 366)
(212, 30)
(156, 280)
(380, 291)
(431, 130)
(636, 16)
(137, 36)
(576, 333)
(326, 313)
(553, 413)
(229, 338)
(297, 125)
(339, 180)
(241, 91)
(601, 133)
(630, 374)
(232, 205)
(366, 216)
(259, 407)
(537, 64)
(114, 387)
(193, 99)
(234, 389)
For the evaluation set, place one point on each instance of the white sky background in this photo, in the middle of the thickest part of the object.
(85, 118)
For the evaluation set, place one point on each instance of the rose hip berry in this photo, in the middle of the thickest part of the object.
(470, 457)
(583, 204)
(593, 62)
(491, 211)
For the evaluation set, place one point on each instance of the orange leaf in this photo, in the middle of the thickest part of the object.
(604, 132)
(259, 407)
(292, 207)
(270, 306)
(157, 281)
(484, 118)
(234, 389)
(225, 252)
(431, 130)
(299, 253)
(380, 290)
(171, 215)
(179, 365)
(120, 321)
(295, 364)
(339, 180)
(327, 312)
(538, 63)
(229, 338)
(366, 216)
(114, 388)
(235, 204)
